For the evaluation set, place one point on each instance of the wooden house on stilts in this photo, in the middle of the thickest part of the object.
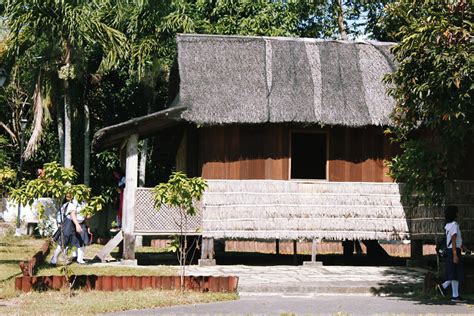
(289, 133)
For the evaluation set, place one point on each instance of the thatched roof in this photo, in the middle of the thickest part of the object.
(235, 79)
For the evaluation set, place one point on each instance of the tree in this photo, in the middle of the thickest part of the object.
(56, 182)
(433, 90)
(183, 193)
(59, 31)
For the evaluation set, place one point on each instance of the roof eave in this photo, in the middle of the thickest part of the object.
(144, 126)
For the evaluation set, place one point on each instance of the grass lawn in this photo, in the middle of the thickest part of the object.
(13, 250)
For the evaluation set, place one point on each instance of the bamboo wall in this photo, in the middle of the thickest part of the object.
(263, 152)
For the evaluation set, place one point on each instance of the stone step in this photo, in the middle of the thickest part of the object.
(281, 186)
(289, 199)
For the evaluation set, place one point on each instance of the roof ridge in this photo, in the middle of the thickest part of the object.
(282, 38)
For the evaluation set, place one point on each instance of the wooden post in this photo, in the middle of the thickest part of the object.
(416, 249)
(207, 252)
(416, 254)
(210, 248)
(204, 246)
(128, 220)
(295, 253)
(277, 246)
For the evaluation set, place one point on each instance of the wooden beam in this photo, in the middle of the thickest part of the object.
(131, 179)
(105, 251)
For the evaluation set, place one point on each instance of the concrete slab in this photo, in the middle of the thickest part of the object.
(312, 263)
(129, 262)
(268, 280)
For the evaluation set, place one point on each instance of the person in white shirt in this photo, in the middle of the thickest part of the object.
(75, 232)
(454, 262)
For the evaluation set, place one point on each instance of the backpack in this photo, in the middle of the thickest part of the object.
(442, 249)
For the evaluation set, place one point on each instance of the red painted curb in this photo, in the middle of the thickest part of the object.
(129, 283)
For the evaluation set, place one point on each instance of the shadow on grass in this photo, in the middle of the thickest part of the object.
(11, 261)
(11, 277)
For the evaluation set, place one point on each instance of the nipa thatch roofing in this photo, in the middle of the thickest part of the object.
(235, 79)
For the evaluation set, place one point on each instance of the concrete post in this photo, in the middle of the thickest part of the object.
(128, 220)
(313, 262)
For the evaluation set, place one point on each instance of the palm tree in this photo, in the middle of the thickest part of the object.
(58, 31)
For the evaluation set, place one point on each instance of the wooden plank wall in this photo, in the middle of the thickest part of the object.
(263, 152)
(358, 154)
(244, 152)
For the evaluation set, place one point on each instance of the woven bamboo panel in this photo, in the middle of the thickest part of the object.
(166, 221)
(269, 209)
(425, 222)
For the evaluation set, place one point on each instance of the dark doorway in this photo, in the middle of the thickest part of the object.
(308, 155)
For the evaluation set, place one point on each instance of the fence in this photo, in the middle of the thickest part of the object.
(165, 221)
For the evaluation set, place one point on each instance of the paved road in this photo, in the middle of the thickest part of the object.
(317, 304)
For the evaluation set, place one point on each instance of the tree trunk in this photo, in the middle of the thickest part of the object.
(67, 109)
(144, 151)
(142, 169)
(87, 144)
(340, 20)
(67, 126)
(61, 133)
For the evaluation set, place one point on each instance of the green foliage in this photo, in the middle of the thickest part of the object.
(93, 205)
(7, 179)
(56, 182)
(3, 151)
(174, 244)
(433, 90)
(45, 225)
(7, 174)
(180, 191)
(80, 22)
